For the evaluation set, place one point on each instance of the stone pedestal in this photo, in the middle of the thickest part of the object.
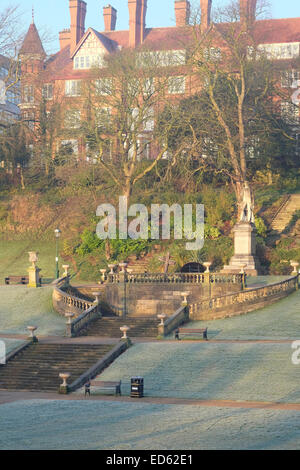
(244, 258)
(34, 276)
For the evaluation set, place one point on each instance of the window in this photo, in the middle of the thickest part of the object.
(47, 91)
(176, 85)
(161, 58)
(88, 61)
(281, 51)
(71, 144)
(103, 86)
(29, 118)
(289, 112)
(28, 94)
(213, 54)
(149, 87)
(148, 123)
(72, 119)
(102, 116)
(288, 77)
(73, 88)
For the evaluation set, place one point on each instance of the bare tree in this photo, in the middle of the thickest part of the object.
(238, 87)
(123, 100)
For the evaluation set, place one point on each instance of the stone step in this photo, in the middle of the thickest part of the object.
(145, 327)
(39, 365)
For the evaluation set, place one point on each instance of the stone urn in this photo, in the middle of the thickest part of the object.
(185, 296)
(97, 296)
(124, 330)
(33, 258)
(103, 274)
(64, 376)
(161, 317)
(69, 316)
(66, 268)
(112, 267)
(207, 265)
(123, 267)
(32, 329)
(295, 266)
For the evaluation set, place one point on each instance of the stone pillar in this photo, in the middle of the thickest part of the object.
(33, 270)
(244, 250)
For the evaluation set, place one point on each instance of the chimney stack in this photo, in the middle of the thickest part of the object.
(137, 21)
(77, 13)
(248, 11)
(205, 6)
(182, 12)
(110, 18)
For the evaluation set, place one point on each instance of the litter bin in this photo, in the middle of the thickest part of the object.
(137, 387)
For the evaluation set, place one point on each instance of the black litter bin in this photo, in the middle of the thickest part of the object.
(137, 387)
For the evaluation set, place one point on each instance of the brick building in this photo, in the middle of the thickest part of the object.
(9, 94)
(60, 75)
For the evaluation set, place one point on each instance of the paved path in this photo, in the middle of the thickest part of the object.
(9, 397)
(106, 340)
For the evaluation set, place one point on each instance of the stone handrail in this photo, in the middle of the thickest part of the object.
(191, 278)
(74, 327)
(180, 316)
(64, 302)
(286, 198)
(231, 303)
(97, 368)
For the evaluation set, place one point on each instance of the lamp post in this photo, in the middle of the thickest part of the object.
(57, 236)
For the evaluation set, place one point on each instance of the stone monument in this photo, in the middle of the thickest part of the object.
(244, 258)
(33, 270)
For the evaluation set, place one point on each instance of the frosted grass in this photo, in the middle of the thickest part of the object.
(255, 372)
(280, 320)
(21, 306)
(41, 424)
(11, 344)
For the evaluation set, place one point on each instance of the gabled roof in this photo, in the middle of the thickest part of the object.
(60, 65)
(103, 40)
(32, 43)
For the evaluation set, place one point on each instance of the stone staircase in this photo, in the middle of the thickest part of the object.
(37, 367)
(110, 327)
(286, 212)
(141, 265)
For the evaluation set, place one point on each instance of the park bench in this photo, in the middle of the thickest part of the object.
(105, 385)
(191, 331)
(16, 280)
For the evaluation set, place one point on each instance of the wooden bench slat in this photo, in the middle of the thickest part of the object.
(191, 331)
(107, 385)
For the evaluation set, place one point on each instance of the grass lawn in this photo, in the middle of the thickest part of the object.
(21, 306)
(40, 424)
(14, 257)
(277, 321)
(250, 372)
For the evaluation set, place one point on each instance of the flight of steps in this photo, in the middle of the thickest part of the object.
(141, 265)
(286, 213)
(110, 326)
(37, 367)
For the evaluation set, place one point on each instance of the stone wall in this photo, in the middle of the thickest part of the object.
(243, 302)
(151, 299)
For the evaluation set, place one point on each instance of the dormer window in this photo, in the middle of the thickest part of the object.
(88, 61)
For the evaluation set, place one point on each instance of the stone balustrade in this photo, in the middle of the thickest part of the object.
(176, 278)
(170, 323)
(242, 302)
(74, 327)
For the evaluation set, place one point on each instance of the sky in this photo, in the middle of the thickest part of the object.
(53, 15)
